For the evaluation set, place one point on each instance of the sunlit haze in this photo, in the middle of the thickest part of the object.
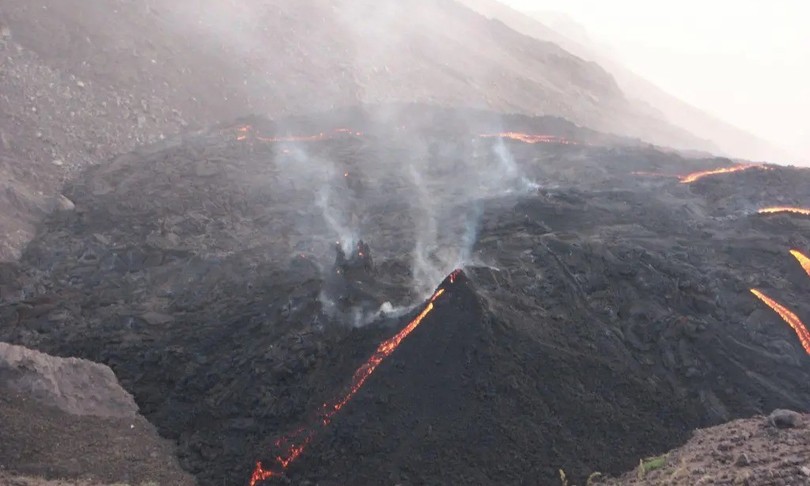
(744, 61)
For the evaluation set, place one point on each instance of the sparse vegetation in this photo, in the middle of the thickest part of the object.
(650, 464)
(589, 482)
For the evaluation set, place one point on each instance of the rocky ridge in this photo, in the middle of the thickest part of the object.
(68, 420)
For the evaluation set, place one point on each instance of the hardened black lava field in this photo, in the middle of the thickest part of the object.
(604, 311)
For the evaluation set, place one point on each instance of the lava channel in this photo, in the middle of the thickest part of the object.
(643, 173)
(789, 317)
(246, 132)
(293, 444)
(804, 261)
(785, 209)
(689, 178)
(527, 138)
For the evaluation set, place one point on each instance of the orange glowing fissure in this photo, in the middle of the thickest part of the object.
(528, 138)
(654, 174)
(294, 444)
(785, 209)
(246, 132)
(789, 317)
(804, 261)
(689, 178)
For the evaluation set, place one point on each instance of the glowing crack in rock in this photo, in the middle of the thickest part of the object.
(643, 173)
(784, 209)
(242, 132)
(689, 178)
(293, 444)
(789, 317)
(247, 132)
(383, 351)
(528, 138)
(804, 261)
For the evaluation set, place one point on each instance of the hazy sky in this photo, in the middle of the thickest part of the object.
(746, 61)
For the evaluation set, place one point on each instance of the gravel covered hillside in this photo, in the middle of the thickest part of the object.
(81, 82)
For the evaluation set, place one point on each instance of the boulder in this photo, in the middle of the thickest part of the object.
(75, 386)
(785, 419)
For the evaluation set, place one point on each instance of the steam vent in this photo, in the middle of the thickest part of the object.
(358, 261)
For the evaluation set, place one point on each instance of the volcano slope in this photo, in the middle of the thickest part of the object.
(82, 82)
(605, 311)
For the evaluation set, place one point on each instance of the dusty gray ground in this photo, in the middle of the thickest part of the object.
(75, 386)
(70, 420)
(750, 452)
(7, 479)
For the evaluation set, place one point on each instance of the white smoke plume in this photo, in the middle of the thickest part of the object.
(335, 218)
(372, 52)
(512, 178)
(320, 177)
(442, 242)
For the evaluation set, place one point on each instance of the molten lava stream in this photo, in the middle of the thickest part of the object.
(784, 209)
(246, 132)
(243, 132)
(804, 261)
(528, 138)
(689, 178)
(293, 444)
(654, 174)
(789, 317)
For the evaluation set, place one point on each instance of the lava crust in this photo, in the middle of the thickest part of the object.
(604, 313)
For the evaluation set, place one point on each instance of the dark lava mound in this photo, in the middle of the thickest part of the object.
(606, 314)
(470, 399)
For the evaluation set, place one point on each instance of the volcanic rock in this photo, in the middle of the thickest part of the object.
(603, 317)
(156, 318)
(763, 458)
(65, 417)
(63, 204)
(85, 82)
(742, 460)
(73, 385)
(785, 419)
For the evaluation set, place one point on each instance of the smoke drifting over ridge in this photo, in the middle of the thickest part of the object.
(373, 49)
(446, 195)
(446, 238)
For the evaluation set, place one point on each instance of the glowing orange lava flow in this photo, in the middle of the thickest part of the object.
(724, 170)
(294, 138)
(784, 209)
(246, 132)
(653, 174)
(527, 138)
(243, 132)
(294, 444)
(383, 351)
(804, 261)
(789, 317)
